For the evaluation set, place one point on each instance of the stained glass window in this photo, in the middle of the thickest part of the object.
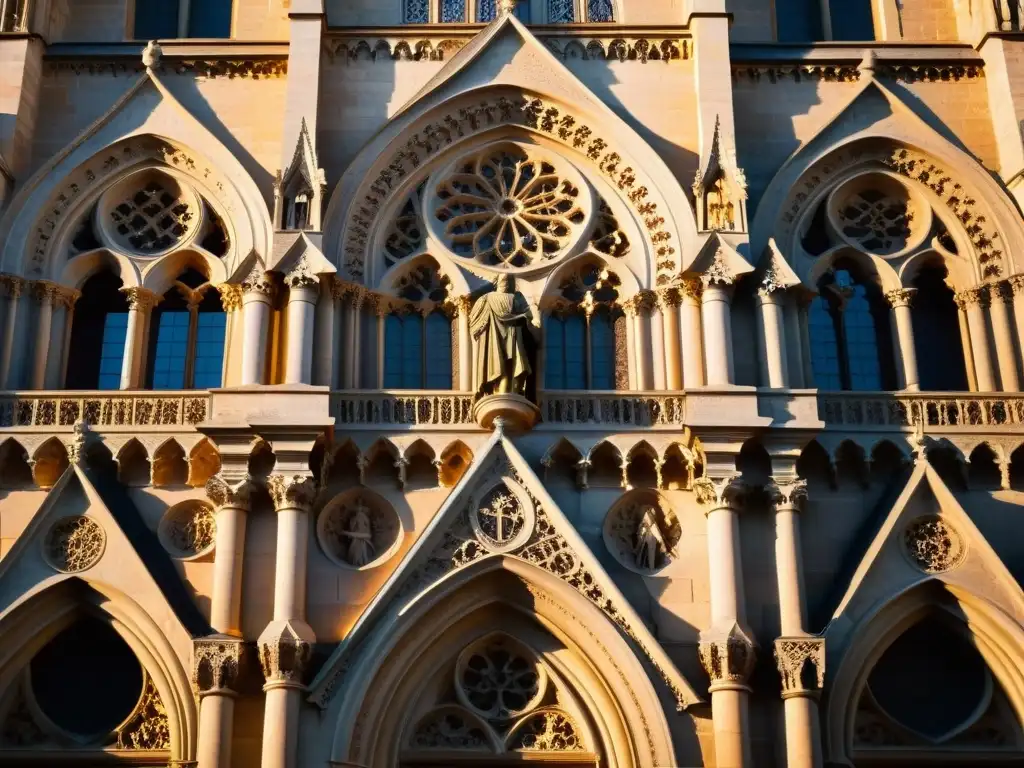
(171, 352)
(602, 352)
(417, 353)
(566, 361)
(417, 12)
(824, 345)
(187, 341)
(438, 351)
(115, 331)
(209, 360)
(600, 10)
(561, 11)
(453, 11)
(862, 350)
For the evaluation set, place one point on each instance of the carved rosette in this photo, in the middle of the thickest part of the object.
(216, 664)
(230, 493)
(285, 649)
(720, 493)
(728, 657)
(292, 491)
(933, 545)
(801, 664)
(788, 493)
(75, 544)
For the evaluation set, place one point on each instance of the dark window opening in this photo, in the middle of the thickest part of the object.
(418, 352)
(852, 20)
(98, 334)
(161, 19)
(940, 354)
(798, 21)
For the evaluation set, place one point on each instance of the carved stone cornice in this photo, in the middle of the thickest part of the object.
(728, 656)
(209, 67)
(801, 664)
(973, 297)
(230, 296)
(285, 648)
(11, 286)
(787, 493)
(720, 493)
(217, 664)
(292, 491)
(140, 299)
(236, 494)
(901, 297)
(930, 72)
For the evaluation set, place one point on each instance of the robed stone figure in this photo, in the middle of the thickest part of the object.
(499, 324)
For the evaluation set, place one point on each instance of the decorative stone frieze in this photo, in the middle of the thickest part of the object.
(217, 664)
(75, 544)
(292, 491)
(235, 493)
(801, 664)
(285, 648)
(845, 73)
(254, 69)
(933, 545)
(728, 656)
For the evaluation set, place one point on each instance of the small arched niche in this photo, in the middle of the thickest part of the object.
(169, 465)
(420, 468)
(455, 460)
(203, 463)
(15, 471)
(49, 463)
(133, 467)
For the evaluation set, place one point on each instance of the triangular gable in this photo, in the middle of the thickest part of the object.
(452, 542)
(127, 555)
(299, 252)
(719, 260)
(775, 271)
(147, 123)
(927, 536)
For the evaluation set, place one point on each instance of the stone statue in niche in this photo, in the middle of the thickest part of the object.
(358, 534)
(650, 547)
(721, 211)
(499, 325)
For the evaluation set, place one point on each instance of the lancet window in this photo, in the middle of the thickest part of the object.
(98, 334)
(163, 19)
(850, 335)
(418, 333)
(186, 345)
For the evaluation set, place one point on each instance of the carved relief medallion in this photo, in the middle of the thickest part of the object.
(75, 544)
(359, 530)
(933, 545)
(188, 530)
(641, 531)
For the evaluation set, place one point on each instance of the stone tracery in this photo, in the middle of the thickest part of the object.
(933, 544)
(75, 544)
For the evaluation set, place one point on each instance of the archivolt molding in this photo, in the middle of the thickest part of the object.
(378, 196)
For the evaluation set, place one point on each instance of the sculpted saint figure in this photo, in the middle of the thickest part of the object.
(498, 324)
(360, 549)
(650, 542)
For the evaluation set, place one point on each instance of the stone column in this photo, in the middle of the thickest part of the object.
(727, 649)
(217, 658)
(794, 340)
(338, 295)
(803, 305)
(216, 663)
(974, 303)
(140, 303)
(1017, 287)
(380, 310)
(906, 351)
(11, 287)
(326, 342)
(303, 288)
(63, 311)
(257, 301)
(795, 646)
(352, 360)
(286, 644)
(1003, 331)
(634, 310)
(772, 298)
(691, 335)
(465, 382)
(965, 342)
(716, 318)
(44, 294)
(669, 302)
(656, 333)
(231, 302)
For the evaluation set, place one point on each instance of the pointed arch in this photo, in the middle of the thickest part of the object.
(604, 671)
(421, 469)
(15, 470)
(49, 462)
(456, 458)
(203, 463)
(170, 466)
(133, 464)
(146, 128)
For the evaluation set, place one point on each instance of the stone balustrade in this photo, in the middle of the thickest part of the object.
(396, 409)
(613, 410)
(60, 411)
(940, 410)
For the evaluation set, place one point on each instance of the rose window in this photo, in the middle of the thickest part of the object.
(499, 680)
(510, 206)
(150, 213)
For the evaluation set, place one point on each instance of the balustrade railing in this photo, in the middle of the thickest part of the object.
(941, 410)
(417, 408)
(613, 409)
(102, 409)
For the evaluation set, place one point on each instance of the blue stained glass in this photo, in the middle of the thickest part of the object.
(824, 345)
(602, 352)
(115, 331)
(575, 353)
(486, 10)
(862, 343)
(554, 359)
(416, 12)
(453, 11)
(171, 351)
(412, 352)
(393, 352)
(156, 19)
(439, 352)
(600, 10)
(209, 360)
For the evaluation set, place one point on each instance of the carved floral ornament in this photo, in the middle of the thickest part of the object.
(882, 200)
(505, 702)
(532, 220)
(74, 544)
(145, 196)
(933, 545)
(359, 530)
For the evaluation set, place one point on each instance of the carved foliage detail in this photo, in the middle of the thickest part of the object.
(801, 663)
(75, 544)
(933, 545)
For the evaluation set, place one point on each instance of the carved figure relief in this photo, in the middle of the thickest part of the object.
(503, 517)
(641, 532)
(188, 530)
(358, 530)
(75, 544)
(498, 324)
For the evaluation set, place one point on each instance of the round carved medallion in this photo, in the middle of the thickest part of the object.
(188, 530)
(75, 544)
(502, 519)
(641, 531)
(933, 545)
(359, 530)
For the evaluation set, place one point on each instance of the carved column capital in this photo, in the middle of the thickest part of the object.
(771, 281)
(258, 283)
(972, 297)
(719, 493)
(902, 297)
(691, 288)
(285, 648)
(719, 273)
(230, 296)
(230, 493)
(1017, 284)
(292, 491)
(217, 664)
(139, 298)
(787, 493)
(801, 663)
(728, 657)
(43, 292)
(11, 286)
(1000, 291)
(668, 298)
(301, 276)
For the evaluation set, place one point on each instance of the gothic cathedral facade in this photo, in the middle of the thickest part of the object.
(473, 383)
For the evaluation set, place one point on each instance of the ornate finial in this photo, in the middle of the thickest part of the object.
(867, 64)
(506, 8)
(151, 54)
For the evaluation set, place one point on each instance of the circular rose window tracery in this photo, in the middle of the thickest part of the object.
(877, 214)
(149, 213)
(509, 206)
